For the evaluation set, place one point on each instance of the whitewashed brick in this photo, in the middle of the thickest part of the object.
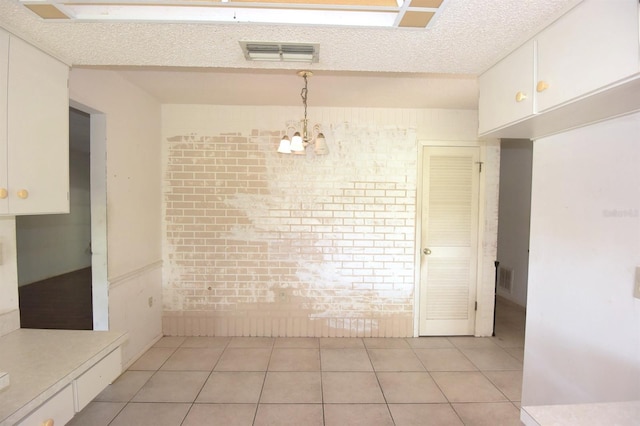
(335, 233)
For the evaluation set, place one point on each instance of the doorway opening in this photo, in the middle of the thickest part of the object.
(54, 252)
(512, 270)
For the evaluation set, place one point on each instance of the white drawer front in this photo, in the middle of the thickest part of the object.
(97, 378)
(59, 409)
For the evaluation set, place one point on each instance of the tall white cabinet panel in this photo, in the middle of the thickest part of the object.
(507, 89)
(4, 74)
(590, 47)
(38, 132)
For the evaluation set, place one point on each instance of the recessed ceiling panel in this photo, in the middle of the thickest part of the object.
(416, 19)
(312, 3)
(47, 11)
(426, 3)
(337, 13)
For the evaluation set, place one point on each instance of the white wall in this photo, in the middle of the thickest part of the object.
(210, 197)
(583, 324)
(514, 216)
(133, 201)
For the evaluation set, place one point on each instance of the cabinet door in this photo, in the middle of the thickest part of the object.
(59, 409)
(506, 90)
(592, 46)
(4, 72)
(97, 378)
(38, 131)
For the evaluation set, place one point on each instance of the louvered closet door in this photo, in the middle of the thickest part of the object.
(448, 267)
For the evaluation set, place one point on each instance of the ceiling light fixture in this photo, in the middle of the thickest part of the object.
(351, 13)
(299, 142)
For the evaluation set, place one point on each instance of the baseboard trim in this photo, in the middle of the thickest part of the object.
(133, 359)
(180, 323)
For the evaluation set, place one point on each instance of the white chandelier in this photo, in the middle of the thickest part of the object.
(299, 142)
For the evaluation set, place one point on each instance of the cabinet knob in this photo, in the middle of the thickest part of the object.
(48, 422)
(23, 194)
(521, 96)
(542, 86)
(3, 193)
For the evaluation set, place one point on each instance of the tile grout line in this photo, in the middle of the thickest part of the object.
(130, 401)
(264, 381)
(375, 372)
(205, 381)
(436, 383)
(324, 419)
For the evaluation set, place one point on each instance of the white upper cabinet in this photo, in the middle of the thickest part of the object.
(35, 141)
(555, 81)
(4, 79)
(592, 46)
(507, 90)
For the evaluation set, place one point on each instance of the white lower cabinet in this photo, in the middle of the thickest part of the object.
(48, 387)
(57, 411)
(91, 383)
(60, 408)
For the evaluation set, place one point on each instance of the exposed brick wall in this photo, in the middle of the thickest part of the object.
(260, 243)
(257, 243)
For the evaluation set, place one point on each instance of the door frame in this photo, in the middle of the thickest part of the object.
(485, 285)
(98, 168)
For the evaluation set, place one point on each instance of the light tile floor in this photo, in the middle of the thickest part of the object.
(441, 381)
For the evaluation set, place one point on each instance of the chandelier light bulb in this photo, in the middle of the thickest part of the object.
(320, 146)
(296, 143)
(285, 145)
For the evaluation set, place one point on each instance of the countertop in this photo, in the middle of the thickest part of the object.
(41, 362)
(605, 413)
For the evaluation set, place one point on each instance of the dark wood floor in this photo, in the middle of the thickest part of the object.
(62, 302)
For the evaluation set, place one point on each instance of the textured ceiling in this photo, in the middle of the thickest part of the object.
(467, 38)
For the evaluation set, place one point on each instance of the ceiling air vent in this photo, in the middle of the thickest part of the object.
(281, 52)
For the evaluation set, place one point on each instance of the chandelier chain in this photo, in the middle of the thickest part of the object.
(303, 94)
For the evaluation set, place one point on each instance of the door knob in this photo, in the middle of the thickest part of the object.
(3, 193)
(426, 251)
(23, 194)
